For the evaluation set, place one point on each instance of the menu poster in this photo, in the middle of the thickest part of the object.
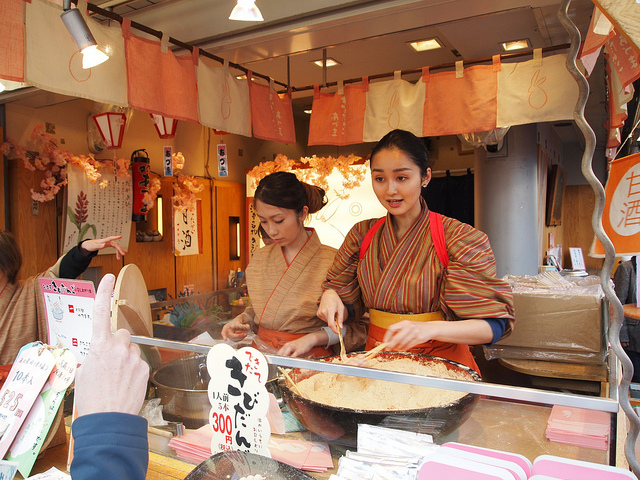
(239, 400)
(69, 308)
(26, 378)
(28, 443)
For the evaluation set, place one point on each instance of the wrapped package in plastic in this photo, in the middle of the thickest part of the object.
(557, 319)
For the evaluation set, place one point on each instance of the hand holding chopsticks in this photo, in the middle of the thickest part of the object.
(293, 384)
(375, 351)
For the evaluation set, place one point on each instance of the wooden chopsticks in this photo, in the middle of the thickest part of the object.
(295, 387)
(375, 351)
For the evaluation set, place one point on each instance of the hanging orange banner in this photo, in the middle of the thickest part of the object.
(621, 216)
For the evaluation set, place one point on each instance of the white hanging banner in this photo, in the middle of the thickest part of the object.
(393, 104)
(53, 62)
(187, 224)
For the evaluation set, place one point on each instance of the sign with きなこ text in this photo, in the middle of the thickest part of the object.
(69, 309)
(239, 400)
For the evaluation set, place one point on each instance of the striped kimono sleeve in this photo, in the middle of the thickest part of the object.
(470, 287)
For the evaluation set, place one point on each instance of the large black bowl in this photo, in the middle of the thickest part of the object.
(338, 423)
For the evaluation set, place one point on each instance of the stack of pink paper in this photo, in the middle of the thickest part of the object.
(195, 447)
(578, 426)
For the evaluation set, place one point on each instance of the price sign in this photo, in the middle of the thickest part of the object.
(239, 400)
(28, 375)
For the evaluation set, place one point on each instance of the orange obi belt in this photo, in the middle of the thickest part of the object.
(380, 321)
(277, 339)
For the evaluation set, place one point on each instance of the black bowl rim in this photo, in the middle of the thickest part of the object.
(464, 399)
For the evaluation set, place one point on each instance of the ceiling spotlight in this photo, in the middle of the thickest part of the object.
(86, 43)
(246, 11)
(424, 45)
(84, 40)
(330, 62)
(307, 111)
(516, 45)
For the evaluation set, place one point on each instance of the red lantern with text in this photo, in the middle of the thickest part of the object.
(165, 126)
(140, 168)
(111, 126)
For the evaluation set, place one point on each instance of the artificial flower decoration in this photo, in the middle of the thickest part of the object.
(53, 161)
(314, 170)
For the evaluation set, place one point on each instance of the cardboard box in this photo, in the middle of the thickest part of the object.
(555, 326)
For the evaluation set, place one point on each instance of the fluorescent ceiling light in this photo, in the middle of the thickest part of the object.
(84, 40)
(424, 45)
(516, 45)
(330, 62)
(246, 11)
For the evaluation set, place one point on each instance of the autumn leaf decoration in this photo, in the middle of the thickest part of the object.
(80, 216)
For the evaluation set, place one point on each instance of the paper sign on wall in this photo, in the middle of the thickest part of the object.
(239, 400)
(223, 170)
(187, 225)
(167, 160)
(69, 308)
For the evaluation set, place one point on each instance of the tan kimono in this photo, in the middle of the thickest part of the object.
(284, 298)
(22, 315)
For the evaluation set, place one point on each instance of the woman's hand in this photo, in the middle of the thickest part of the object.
(406, 334)
(237, 328)
(100, 243)
(302, 345)
(332, 310)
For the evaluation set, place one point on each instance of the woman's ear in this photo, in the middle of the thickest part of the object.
(304, 214)
(426, 178)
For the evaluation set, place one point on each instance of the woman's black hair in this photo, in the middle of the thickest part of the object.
(10, 256)
(408, 143)
(284, 190)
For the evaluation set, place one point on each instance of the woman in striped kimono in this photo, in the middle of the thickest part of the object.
(429, 282)
(285, 277)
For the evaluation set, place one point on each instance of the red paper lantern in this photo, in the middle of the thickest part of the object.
(111, 127)
(165, 126)
(140, 174)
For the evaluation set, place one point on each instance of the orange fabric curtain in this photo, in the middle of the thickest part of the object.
(460, 104)
(12, 40)
(271, 113)
(337, 119)
(159, 81)
(624, 58)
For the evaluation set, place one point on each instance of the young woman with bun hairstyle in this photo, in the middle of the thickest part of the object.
(285, 278)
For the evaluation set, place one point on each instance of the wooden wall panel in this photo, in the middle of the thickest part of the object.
(36, 235)
(198, 270)
(230, 202)
(2, 190)
(155, 259)
(577, 211)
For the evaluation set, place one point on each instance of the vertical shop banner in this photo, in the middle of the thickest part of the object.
(68, 306)
(619, 96)
(187, 227)
(460, 103)
(539, 90)
(621, 215)
(53, 62)
(12, 40)
(95, 212)
(271, 113)
(623, 58)
(393, 104)
(338, 118)
(223, 164)
(239, 400)
(223, 100)
(600, 30)
(159, 81)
